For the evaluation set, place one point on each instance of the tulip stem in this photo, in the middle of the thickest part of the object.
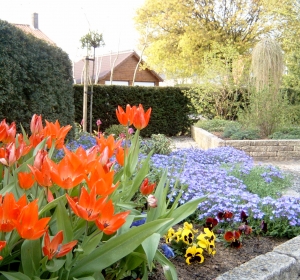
(86, 228)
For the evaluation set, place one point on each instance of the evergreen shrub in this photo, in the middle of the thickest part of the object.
(170, 107)
(35, 78)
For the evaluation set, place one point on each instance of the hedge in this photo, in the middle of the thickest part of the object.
(170, 107)
(35, 78)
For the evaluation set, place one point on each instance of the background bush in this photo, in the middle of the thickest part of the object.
(35, 78)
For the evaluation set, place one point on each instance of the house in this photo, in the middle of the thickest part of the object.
(34, 30)
(122, 64)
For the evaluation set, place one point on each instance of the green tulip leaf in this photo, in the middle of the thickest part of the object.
(55, 264)
(150, 246)
(115, 249)
(15, 275)
(31, 256)
(169, 269)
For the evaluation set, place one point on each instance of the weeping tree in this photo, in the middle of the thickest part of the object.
(268, 109)
(267, 65)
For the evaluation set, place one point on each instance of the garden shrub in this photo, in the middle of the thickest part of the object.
(287, 133)
(159, 143)
(213, 125)
(115, 129)
(267, 111)
(35, 78)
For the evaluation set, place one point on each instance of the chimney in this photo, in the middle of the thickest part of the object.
(35, 20)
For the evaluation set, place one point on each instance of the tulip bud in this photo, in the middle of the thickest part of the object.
(146, 188)
(152, 201)
(39, 158)
(36, 125)
(130, 130)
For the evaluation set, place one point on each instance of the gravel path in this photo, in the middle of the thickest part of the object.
(291, 167)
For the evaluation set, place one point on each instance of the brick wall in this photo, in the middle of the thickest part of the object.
(274, 150)
(125, 72)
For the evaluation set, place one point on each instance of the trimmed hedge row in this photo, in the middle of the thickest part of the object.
(170, 107)
(35, 78)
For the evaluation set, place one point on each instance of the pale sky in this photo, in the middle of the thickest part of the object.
(66, 21)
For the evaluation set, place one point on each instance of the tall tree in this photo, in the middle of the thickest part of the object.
(94, 40)
(183, 31)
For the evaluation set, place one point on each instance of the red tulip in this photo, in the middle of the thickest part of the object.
(56, 133)
(108, 222)
(88, 207)
(26, 180)
(28, 225)
(126, 118)
(54, 248)
(147, 188)
(10, 210)
(7, 132)
(141, 119)
(64, 174)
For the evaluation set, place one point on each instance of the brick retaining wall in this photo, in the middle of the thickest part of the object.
(276, 150)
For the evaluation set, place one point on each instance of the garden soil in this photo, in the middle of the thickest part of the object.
(225, 259)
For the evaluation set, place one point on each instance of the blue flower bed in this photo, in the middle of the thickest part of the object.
(204, 174)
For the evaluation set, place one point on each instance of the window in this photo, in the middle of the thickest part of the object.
(144, 84)
(117, 83)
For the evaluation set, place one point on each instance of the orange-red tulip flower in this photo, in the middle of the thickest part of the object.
(101, 180)
(36, 125)
(2, 245)
(26, 180)
(23, 148)
(36, 139)
(108, 222)
(82, 158)
(64, 174)
(141, 119)
(8, 155)
(56, 133)
(126, 118)
(88, 207)
(43, 174)
(7, 132)
(54, 248)
(10, 210)
(147, 188)
(108, 142)
(28, 224)
(120, 153)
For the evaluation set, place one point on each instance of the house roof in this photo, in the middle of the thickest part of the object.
(104, 63)
(35, 32)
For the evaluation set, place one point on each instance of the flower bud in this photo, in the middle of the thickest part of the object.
(36, 125)
(152, 201)
(98, 122)
(39, 158)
